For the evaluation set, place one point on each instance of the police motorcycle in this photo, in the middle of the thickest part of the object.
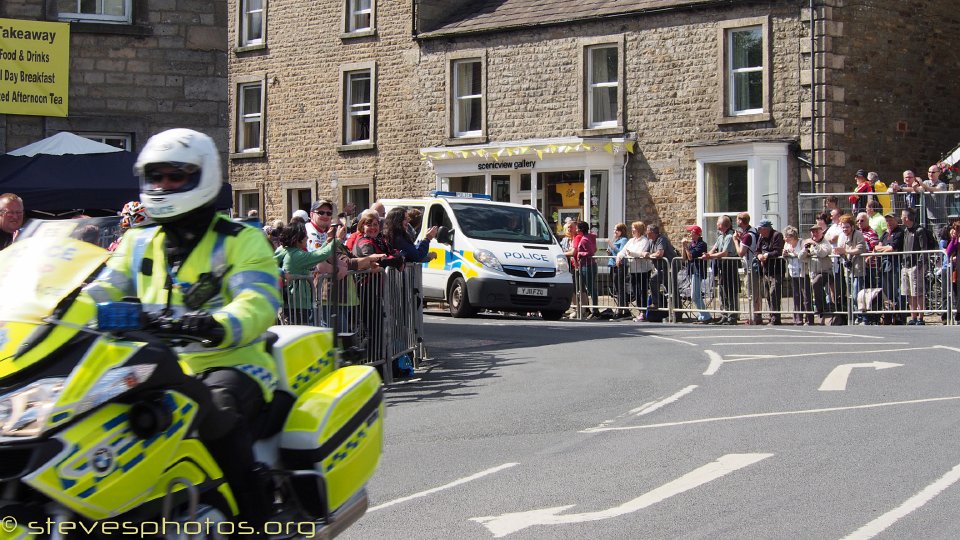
(100, 427)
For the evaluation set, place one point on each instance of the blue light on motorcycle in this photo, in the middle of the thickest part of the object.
(117, 316)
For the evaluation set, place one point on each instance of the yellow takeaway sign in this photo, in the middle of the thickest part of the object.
(34, 67)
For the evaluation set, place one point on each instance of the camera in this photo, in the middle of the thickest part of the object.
(391, 262)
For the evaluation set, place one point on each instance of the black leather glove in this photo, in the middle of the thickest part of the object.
(202, 324)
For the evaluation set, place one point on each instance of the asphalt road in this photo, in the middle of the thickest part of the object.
(522, 428)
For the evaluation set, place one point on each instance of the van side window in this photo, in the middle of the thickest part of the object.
(418, 225)
(439, 217)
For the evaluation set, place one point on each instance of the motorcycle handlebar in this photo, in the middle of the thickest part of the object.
(164, 325)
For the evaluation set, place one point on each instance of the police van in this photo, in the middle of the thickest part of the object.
(491, 255)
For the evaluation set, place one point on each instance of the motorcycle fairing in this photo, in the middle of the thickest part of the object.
(105, 470)
(103, 355)
(45, 339)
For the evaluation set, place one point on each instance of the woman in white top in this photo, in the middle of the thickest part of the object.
(636, 256)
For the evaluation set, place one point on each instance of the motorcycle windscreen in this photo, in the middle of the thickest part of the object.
(37, 273)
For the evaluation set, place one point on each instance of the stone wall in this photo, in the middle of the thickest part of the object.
(301, 62)
(892, 85)
(167, 69)
(672, 94)
(867, 116)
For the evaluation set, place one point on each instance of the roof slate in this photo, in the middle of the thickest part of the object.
(487, 15)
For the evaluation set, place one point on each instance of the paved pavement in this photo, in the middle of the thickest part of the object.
(522, 428)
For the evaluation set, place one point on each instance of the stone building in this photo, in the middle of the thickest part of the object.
(136, 67)
(670, 111)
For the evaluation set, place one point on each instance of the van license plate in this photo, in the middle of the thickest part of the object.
(531, 291)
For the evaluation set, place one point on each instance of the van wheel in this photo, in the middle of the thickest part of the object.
(551, 314)
(459, 300)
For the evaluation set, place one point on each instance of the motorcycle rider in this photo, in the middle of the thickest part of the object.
(219, 279)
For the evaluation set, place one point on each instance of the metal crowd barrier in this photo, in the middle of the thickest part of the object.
(933, 209)
(870, 289)
(384, 309)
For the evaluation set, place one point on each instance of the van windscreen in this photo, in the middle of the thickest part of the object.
(502, 223)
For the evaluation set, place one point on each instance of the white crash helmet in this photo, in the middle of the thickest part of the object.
(189, 151)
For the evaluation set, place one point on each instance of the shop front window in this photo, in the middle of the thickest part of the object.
(500, 187)
(562, 197)
(463, 184)
(598, 202)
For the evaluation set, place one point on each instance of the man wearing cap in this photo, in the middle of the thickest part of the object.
(321, 215)
(770, 255)
(815, 255)
(891, 242)
(747, 239)
(859, 202)
(936, 204)
(693, 249)
(725, 267)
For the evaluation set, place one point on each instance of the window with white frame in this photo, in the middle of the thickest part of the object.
(251, 22)
(247, 200)
(358, 108)
(468, 98)
(734, 178)
(123, 141)
(298, 199)
(745, 70)
(250, 104)
(358, 195)
(359, 15)
(603, 86)
(104, 11)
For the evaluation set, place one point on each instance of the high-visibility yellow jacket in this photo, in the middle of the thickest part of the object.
(245, 303)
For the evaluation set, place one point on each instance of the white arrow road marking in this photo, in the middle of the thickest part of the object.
(505, 524)
(715, 362)
(883, 522)
(455, 483)
(837, 379)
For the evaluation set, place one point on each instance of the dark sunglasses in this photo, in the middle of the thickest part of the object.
(323, 212)
(174, 176)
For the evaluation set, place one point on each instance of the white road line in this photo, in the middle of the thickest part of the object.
(455, 483)
(883, 522)
(677, 340)
(715, 362)
(638, 409)
(828, 333)
(830, 353)
(647, 409)
(809, 343)
(772, 414)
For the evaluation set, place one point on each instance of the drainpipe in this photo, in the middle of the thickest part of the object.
(623, 174)
(813, 99)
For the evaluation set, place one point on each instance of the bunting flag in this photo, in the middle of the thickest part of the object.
(496, 153)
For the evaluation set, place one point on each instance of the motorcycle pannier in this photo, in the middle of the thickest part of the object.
(336, 430)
